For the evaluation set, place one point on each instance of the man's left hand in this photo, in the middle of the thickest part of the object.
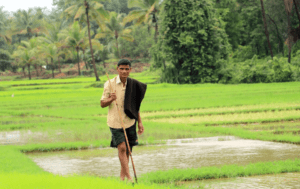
(141, 128)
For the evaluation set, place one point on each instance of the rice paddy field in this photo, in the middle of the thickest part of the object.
(65, 114)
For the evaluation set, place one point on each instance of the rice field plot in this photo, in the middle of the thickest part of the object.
(202, 104)
(236, 118)
(69, 116)
(162, 97)
(16, 122)
(222, 110)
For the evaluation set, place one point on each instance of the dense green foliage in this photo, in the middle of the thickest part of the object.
(256, 70)
(216, 29)
(139, 48)
(193, 40)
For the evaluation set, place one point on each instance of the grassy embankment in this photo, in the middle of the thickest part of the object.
(68, 115)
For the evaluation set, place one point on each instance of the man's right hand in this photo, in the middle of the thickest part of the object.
(113, 96)
(109, 100)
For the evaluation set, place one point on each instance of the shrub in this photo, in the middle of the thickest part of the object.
(259, 70)
(193, 39)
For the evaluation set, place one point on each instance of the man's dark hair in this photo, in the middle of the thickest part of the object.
(124, 62)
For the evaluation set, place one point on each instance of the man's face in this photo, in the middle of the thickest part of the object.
(124, 71)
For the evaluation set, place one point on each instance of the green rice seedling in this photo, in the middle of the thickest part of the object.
(68, 114)
(13, 161)
(21, 181)
(235, 118)
(158, 96)
(225, 171)
(221, 110)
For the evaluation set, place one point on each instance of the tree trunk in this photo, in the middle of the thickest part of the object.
(266, 27)
(36, 69)
(156, 32)
(29, 76)
(116, 37)
(77, 49)
(89, 33)
(296, 7)
(46, 64)
(288, 8)
(24, 71)
(289, 38)
(280, 40)
(84, 60)
(164, 64)
(52, 67)
(59, 65)
(156, 26)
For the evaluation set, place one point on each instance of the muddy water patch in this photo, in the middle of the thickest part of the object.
(19, 137)
(180, 153)
(278, 181)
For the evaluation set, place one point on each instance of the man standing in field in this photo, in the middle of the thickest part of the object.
(128, 94)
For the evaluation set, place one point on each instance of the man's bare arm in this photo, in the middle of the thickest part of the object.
(140, 125)
(139, 118)
(108, 101)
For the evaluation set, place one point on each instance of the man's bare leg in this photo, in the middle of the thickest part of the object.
(124, 160)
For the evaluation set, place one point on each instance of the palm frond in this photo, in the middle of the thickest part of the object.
(127, 37)
(133, 15)
(135, 3)
(80, 12)
(149, 12)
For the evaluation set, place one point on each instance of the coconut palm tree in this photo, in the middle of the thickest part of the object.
(147, 13)
(74, 37)
(115, 29)
(26, 55)
(49, 51)
(77, 11)
(97, 13)
(95, 45)
(5, 24)
(52, 36)
(28, 23)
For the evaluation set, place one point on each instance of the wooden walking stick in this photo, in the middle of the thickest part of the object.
(122, 123)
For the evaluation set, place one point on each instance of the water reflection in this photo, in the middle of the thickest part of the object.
(185, 153)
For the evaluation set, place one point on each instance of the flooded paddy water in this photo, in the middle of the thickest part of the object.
(179, 153)
(278, 181)
(19, 137)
